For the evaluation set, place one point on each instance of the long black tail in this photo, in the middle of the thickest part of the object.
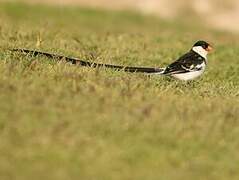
(91, 64)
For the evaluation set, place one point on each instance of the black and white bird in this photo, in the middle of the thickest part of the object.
(188, 67)
(192, 64)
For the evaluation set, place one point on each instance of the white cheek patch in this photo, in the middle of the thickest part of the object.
(202, 52)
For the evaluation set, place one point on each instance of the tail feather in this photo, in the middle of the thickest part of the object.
(80, 62)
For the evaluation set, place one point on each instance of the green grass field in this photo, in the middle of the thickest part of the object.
(60, 122)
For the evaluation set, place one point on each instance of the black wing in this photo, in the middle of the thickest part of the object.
(92, 64)
(190, 61)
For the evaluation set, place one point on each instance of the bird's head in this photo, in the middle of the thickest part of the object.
(202, 48)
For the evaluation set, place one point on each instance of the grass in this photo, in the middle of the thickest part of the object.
(59, 121)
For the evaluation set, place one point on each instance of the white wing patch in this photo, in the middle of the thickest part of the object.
(200, 66)
(192, 74)
(194, 68)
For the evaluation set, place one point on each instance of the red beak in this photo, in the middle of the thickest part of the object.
(209, 48)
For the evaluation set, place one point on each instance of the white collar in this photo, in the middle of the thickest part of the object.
(199, 50)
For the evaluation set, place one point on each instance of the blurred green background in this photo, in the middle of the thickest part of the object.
(220, 14)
